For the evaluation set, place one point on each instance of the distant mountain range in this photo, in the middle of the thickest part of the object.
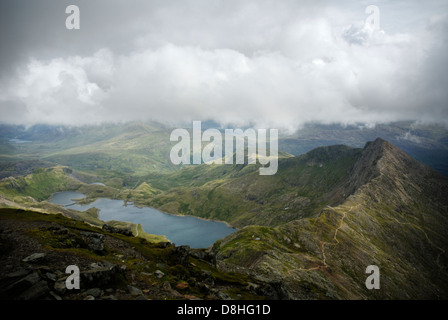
(138, 148)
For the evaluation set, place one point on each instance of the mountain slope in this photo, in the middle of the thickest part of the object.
(237, 194)
(396, 219)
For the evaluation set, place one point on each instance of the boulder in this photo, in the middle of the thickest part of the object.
(159, 274)
(134, 291)
(112, 229)
(34, 257)
(179, 255)
(95, 292)
(94, 241)
(101, 275)
(36, 291)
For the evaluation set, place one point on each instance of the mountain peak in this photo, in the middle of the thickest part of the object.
(380, 159)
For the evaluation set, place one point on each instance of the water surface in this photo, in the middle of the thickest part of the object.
(182, 230)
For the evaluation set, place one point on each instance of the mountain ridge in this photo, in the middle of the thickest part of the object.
(391, 221)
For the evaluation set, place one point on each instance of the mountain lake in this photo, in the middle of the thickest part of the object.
(181, 230)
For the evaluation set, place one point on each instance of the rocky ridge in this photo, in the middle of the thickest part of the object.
(396, 218)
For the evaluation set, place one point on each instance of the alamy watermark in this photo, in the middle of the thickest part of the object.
(73, 20)
(257, 146)
(72, 281)
(373, 280)
(373, 20)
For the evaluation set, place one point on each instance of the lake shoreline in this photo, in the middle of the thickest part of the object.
(137, 205)
(190, 232)
(185, 215)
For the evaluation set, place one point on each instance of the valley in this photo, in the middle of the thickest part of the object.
(309, 231)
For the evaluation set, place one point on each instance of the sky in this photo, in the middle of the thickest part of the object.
(261, 63)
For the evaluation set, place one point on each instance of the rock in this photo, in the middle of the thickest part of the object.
(201, 254)
(37, 291)
(203, 287)
(165, 244)
(95, 292)
(223, 296)
(19, 273)
(101, 275)
(134, 291)
(60, 286)
(55, 296)
(94, 241)
(253, 287)
(89, 298)
(166, 285)
(109, 297)
(141, 297)
(34, 257)
(112, 229)
(21, 285)
(58, 230)
(180, 254)
(50, 276)
(159, 274)
(207, 277)
(182, 285)
(174, 293)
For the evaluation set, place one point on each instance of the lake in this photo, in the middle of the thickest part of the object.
(181, 230)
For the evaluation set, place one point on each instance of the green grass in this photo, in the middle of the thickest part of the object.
(239, 195)
(41, 184)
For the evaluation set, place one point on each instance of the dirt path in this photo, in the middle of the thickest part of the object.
(325, 243)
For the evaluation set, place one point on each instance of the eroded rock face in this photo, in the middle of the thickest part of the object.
(94, 241)
(113, 229)
(101, 274)
(180, 255)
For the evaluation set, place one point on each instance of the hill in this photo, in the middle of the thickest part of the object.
(396, 219)
(108, 150)
(238, 195)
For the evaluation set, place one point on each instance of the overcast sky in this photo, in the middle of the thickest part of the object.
(270, 64)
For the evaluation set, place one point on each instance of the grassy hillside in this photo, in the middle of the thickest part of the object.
(396, 220)
(41, 184)
(123, 149)
(239, 195)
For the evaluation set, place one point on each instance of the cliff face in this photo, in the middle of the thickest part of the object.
(395, 217)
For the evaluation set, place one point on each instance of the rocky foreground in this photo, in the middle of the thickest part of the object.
(36, 249)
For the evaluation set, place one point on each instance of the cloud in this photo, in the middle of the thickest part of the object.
(260, 66)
